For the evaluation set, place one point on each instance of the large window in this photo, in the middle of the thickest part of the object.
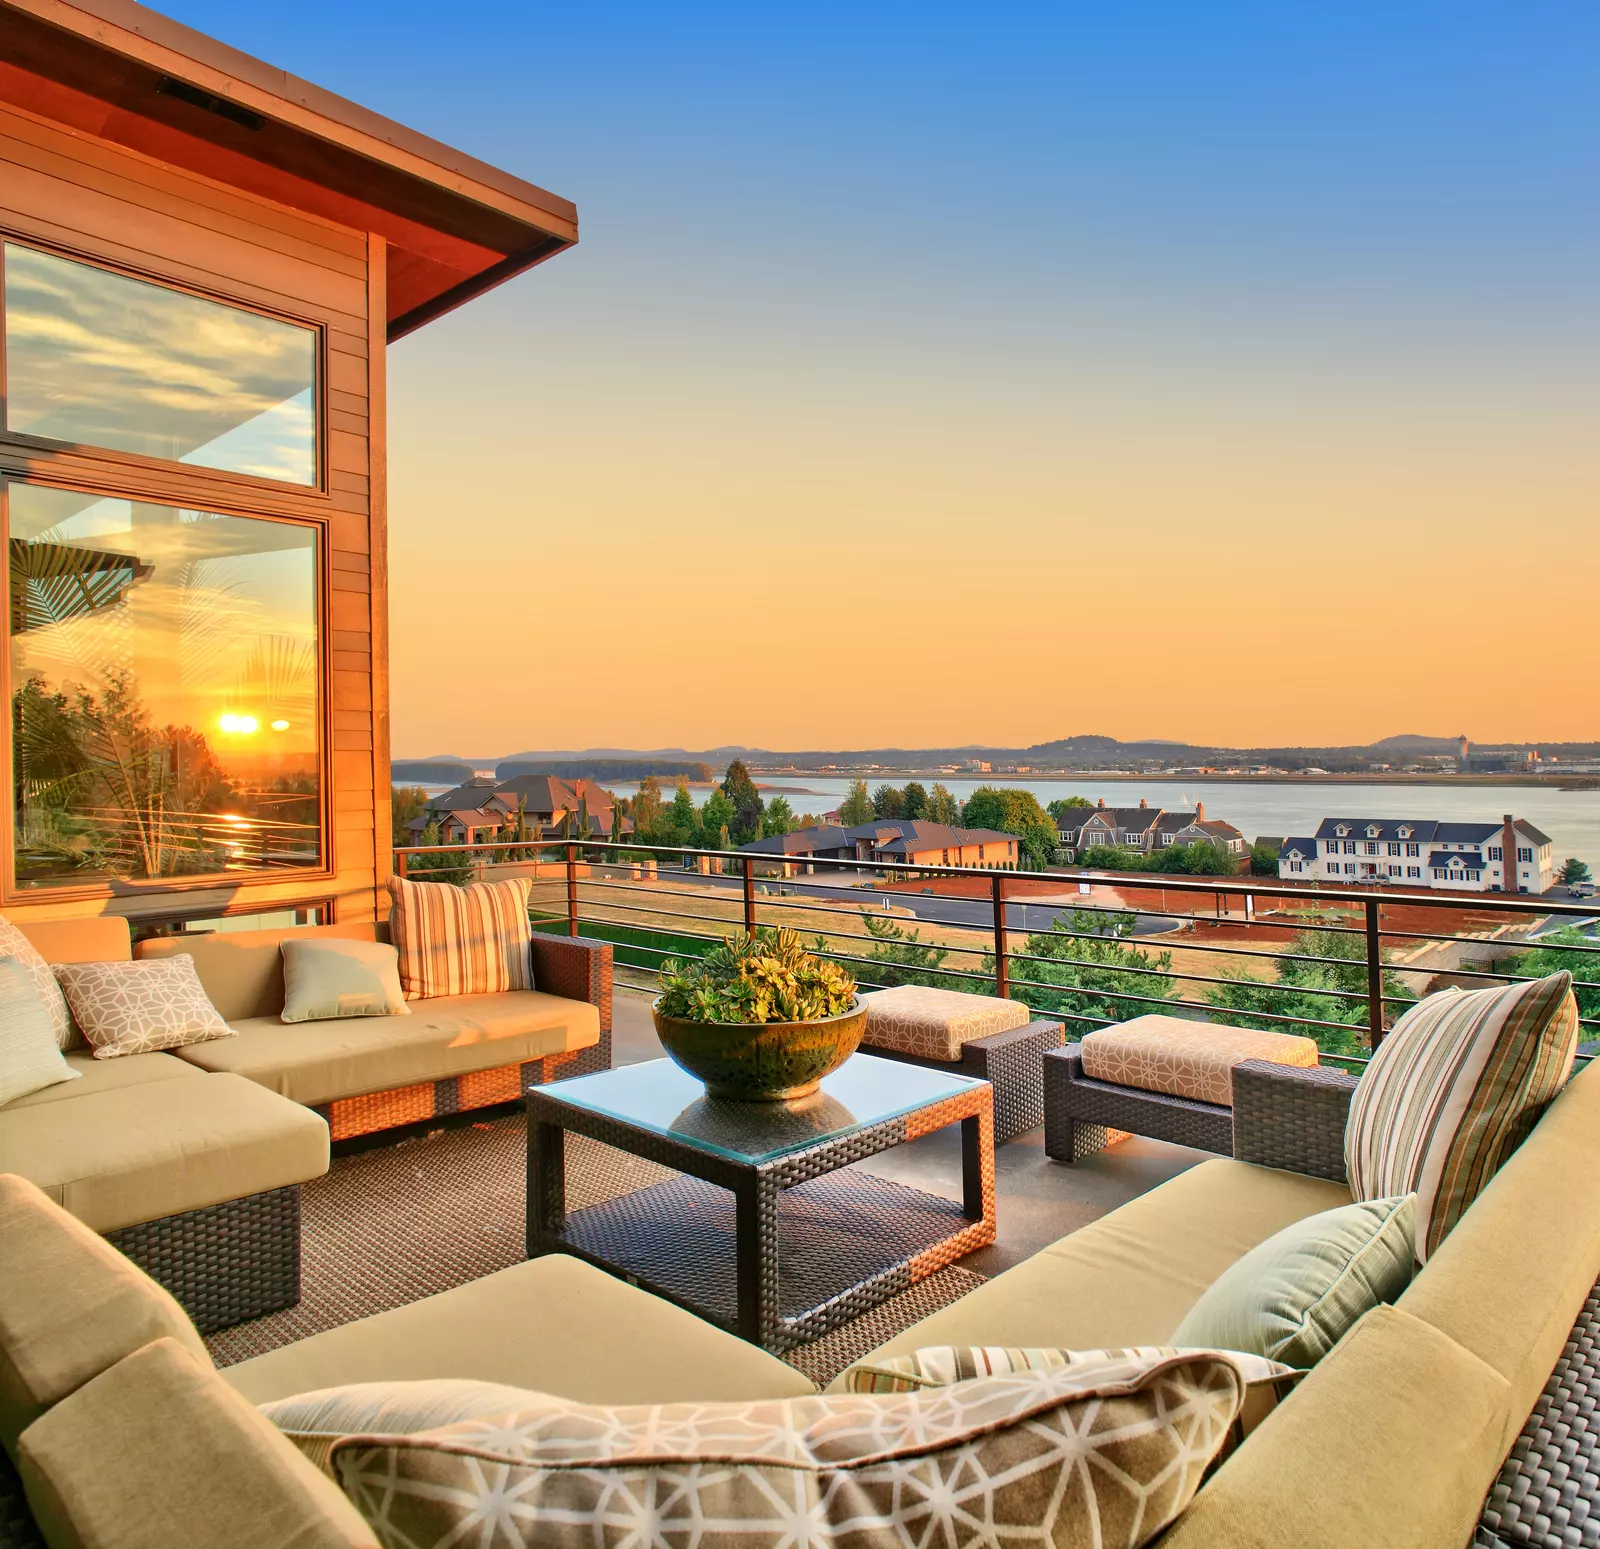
(99, 359)
(164, 678)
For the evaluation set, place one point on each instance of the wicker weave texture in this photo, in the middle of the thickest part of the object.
(1078, 1111)
(760, 1248)
(224, 1263)
(1013, 1064)
(562, 965)
(1291, 1118)
(1548, 1491)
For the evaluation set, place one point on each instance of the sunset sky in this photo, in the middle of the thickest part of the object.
(934, 375)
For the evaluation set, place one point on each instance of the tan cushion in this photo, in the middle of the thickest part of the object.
(1102, 1455)
(933, 1024)
(242, 970)
(98, 938)
(1509, 1280)
(1185, 1059)
(1130, 1277)
(107, 1075)
(14, 944)
(553, 1324)
(158, 1453)
(70, 1307)
(1390, 1443)
(138, 1153)
(319, 1062)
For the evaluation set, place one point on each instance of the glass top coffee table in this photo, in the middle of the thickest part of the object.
(768, 1231)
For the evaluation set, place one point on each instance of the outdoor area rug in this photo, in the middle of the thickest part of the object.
(392, 1225)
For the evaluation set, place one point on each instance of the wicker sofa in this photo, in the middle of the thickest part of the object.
(191, 1162)
(1454, 1417)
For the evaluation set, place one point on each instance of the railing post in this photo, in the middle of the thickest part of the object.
(1002, 975)
(400, 863)
(572, 890)
(749, 896)
(1374, 976)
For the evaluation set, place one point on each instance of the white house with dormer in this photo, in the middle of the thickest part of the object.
(1509, 856)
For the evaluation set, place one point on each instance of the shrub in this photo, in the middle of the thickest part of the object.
(768, 977)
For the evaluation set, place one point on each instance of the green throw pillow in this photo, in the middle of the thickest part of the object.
(1294, 1296)
(329, 978)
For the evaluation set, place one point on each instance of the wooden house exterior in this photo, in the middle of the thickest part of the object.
(175, 195)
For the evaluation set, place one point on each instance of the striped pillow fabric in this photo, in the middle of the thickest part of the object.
(1453, 1091)
(473, 940)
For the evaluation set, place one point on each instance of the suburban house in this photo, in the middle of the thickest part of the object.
(206, 261)
(1509, 856)
(1143, 828)
(474, 811)
(910, 841)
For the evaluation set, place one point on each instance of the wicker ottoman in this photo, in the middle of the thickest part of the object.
(1159, 1076)
(982, 1036)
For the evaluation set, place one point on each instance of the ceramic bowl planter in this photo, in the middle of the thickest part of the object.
(762, 1062)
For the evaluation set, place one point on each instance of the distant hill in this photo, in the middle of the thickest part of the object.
(601, 770)
(429, 771)
(1411, 743)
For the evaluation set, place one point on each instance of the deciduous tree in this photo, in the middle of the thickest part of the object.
(857, 806)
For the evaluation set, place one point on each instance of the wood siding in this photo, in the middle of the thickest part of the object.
(83, 195)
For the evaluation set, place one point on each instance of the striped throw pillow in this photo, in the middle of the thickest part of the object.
(1453, 1091)
(472, 940)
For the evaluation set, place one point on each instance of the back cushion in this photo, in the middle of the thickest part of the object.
(473, 940)
(1453, 1091)
(71, 1306)
(100, 938)
(160, 1452)
(241, 971)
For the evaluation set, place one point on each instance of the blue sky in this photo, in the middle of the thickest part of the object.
(931, 281)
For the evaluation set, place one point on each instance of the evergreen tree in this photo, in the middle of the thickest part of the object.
(915, 801)
(888, 801)
(741, 792)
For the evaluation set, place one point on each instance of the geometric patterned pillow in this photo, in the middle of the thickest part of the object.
(1106, 1455)
(133, 1008)
(14, 944)
(1452, 1091)
(473, 940)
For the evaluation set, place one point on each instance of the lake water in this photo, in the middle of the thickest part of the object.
(1571, 818)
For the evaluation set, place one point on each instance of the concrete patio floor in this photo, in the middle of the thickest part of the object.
(1038, 1200)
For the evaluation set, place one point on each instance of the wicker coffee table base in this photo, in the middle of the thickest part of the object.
(780, 1252)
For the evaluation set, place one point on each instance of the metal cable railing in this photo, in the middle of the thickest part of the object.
(1096, 962)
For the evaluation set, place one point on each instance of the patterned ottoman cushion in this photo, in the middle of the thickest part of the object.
(1185, 1059)
(933, 1024)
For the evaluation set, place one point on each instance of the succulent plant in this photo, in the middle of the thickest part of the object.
(768, 977)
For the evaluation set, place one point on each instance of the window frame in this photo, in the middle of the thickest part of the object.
(136, 463)
(111, 474)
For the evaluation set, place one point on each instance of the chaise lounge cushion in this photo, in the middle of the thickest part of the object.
(141, 1152)
(158, 1453)
(71, 1307)
(321, 1062)
(1130, 1277)
(107, 1076)
(552, 1324)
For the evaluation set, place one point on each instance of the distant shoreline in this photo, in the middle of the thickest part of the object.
(1578, 782)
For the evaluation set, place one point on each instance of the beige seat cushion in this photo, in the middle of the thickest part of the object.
(553, 1324)
(71, 1306)
(160, 1453)
(320, 1062)
(1130, 1277)
(933, 1024)
(1509, 1280)
(241, 971)
(1390, 1443)
(106, 1076)
(1185, 1059)
(138, 1153)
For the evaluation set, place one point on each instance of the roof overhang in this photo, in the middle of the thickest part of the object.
(455, 226)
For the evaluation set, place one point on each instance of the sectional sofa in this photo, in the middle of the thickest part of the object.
(191, 1162)
(1414, 1431)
